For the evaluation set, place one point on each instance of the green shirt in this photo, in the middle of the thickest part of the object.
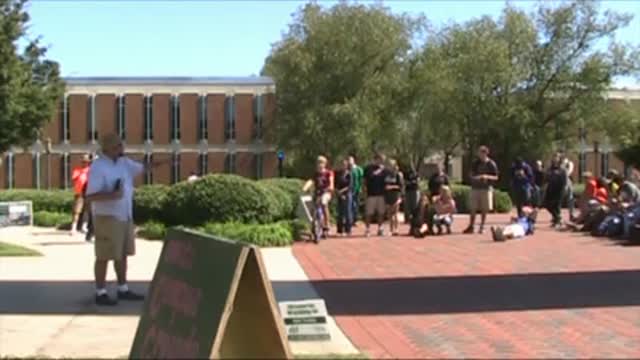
(357, 174)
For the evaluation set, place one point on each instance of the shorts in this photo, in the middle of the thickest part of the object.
(375, 204)
(481, 200)
(325, 198)
(78, 203)
(391, 197)
(114, 239)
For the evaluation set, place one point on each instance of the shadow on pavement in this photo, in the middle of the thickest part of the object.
(466, 294)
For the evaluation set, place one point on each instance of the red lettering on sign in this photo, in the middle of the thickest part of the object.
(159, 343)
(176, 294)
(180, 253)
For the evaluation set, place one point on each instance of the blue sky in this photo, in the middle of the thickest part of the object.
(208, 38)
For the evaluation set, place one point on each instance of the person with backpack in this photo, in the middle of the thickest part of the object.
(522, 184)
(555, 191)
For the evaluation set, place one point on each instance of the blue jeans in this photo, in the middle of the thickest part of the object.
(345, 211)
(355, 207)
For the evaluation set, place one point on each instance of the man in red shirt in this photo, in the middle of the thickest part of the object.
(79, 177)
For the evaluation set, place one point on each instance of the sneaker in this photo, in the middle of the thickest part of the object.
(380, 232)
(129, 295)
(105, 300)
(481, 230)
(468, 230)
(449, 230)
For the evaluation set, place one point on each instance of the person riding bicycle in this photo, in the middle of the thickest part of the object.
(322, 183)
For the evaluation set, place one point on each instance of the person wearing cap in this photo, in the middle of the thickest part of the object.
(79, 177)
(110, 190)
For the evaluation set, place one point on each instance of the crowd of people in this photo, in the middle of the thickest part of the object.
(609, 205)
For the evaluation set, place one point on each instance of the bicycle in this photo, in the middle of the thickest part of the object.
(315, 215)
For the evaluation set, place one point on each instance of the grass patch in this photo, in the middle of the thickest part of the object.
(16, 250)
(333, 356)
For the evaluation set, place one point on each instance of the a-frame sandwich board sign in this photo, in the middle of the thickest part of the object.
(209, 298)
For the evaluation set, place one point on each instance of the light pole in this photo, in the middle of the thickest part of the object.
(48, 152)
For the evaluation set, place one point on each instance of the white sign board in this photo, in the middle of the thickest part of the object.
(306, 208)
(14, 213)
(305, 320)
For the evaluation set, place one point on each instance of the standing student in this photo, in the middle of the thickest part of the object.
(538, 182)
(555, 191)
(394, 184)
(411, 194)
(484, 173)
(356, 177)
(522, 184)
(79, 177)
(323, 184)
(110, 190)
(569, 196)
(436, 181)
(374, 186)
(343, 185)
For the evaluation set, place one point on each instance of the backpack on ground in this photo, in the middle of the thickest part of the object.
(611, 226)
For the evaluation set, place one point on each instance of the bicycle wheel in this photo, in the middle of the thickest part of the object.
(317, 226)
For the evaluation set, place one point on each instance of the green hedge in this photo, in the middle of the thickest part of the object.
(152, 230)
(149, 203)
(275, 234)
(461, 193)
(291, 186)
(51, 219)
(43, 200)
(219, 198)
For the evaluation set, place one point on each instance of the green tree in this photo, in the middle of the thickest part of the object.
(338, 72)
(30, 84)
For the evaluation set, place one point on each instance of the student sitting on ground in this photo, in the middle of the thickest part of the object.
(520, 227)
(592, 203)
(445, 207)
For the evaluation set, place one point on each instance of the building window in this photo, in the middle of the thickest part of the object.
(203, 164)
(37, 173)
(175, 168)
(66, 171)
(202, 127)
(582, 164)
(604, 163)
(230, 163)
(229, 118)
(258, 116)
(10, 171)
(258, 160)
(148, 117)
(148, 172)
(121, 121)
(175, 117)
(91, 118)
(64, 120)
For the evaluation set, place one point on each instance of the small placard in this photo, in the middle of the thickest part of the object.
(305, 320)
(16, 213)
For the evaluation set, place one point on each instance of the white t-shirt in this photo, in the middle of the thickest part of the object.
(103, 175)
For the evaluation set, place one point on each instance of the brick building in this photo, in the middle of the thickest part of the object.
(206, 125)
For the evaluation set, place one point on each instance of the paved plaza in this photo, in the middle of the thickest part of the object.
(553, 295)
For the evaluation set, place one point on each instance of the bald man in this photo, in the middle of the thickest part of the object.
(110, 191)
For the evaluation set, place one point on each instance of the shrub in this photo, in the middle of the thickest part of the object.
(292, 187)
(51, 219)
(502, 202)
(298, 228)
(149, 202)
(279, 200)
(218, 198)
(276, 234)
(152, 230)
(43, 200)
(461, 194)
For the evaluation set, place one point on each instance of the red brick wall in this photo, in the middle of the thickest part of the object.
(161, 120)
(616, 163)
(134, 118)
(24, 171)
(78, 118)
(55, 161)
(215, 118)
(188, 164)
(106, 114)
(189, 117)
(162, 173)
(215, 162)
(268, 122)
(245, 164)
(269, 164)
(244, 118)
(139, 180)
(53, 128)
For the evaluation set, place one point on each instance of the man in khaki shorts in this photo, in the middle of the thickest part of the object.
(110, 191)
(374, 184)
(484, 173)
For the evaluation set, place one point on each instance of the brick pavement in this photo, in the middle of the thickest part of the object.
(552, 295)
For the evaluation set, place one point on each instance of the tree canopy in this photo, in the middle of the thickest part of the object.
(30, 84)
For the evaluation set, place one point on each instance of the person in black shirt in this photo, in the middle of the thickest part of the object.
(344, 192)
(411, 194)
(538, 182)
(556, 186)
(436, 181)
(393, 186)
(375, 208)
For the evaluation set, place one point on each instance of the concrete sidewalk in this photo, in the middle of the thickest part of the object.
(46, 307)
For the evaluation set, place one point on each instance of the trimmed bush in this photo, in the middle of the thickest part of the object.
(219, 198)
(461, 194)
(279, 200)
(60, 201)
(149, 202)
(292, 187)
(152, 230)
(276, 234)
(51, 219)
(502, 202)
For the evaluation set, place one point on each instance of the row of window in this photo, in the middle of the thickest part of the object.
(41, 173)
(174, 110)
